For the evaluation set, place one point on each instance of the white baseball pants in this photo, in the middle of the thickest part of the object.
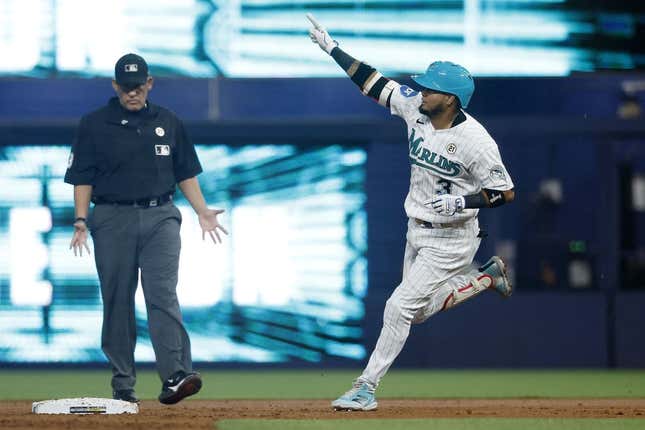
(436, 268)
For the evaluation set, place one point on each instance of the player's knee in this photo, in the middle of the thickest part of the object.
(419, 317)
(392, 308)
(395, 309)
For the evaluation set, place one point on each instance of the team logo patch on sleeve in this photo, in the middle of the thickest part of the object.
(497, 173)
(407, 91)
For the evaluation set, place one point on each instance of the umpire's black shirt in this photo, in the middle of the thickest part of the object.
(131, 155)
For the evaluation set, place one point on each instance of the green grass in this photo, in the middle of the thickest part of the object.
(323, 384)
(436, 424)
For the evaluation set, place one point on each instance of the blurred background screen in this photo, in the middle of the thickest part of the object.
(255, 38)
(287, 284)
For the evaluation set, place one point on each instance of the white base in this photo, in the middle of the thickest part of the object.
(84, 405)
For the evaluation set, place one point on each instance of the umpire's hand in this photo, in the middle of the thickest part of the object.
(208, 222)
(319, 35)
(79, 239)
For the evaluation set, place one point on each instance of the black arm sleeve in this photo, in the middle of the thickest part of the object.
(343, 59)
(485, 199)
(473, 201)
(359, 72)
(376, 89)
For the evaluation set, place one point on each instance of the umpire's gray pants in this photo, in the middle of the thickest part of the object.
(126, 239)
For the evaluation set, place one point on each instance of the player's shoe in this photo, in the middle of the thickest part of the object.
(359, 398)
(125, 395)
(496, 268)
(356, 385)
(179, 386)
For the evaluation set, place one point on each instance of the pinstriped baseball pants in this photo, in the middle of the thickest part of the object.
(436, 262)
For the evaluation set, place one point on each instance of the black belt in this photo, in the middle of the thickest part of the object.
(139, 203)
(428, 224)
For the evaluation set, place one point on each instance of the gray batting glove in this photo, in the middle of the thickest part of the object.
(318, 35)
(447, 204)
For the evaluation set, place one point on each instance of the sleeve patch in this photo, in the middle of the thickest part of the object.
(407, 91)
(70, 160)
(497, 173)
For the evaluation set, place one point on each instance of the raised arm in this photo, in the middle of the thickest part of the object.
(368, 79)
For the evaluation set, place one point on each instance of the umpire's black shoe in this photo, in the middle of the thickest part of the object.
(179, 386)
(126, 395)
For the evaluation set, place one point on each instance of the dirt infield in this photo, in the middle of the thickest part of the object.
(201, 414)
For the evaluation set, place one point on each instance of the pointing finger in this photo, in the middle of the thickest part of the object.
(315, 23)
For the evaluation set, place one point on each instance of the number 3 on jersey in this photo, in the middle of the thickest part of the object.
(443, 187)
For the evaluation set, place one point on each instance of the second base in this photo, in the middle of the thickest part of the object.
(84, 405)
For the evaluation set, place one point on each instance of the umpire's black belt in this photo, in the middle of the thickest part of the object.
(147, 202)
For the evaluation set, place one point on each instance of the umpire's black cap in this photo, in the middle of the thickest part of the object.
(131, 71)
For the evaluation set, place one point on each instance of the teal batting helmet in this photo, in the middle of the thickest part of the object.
(447, 77)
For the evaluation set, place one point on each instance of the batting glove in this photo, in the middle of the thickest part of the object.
(318, 34)
(447, 204)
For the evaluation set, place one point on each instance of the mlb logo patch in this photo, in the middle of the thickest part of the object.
(131, 68)
(162, 150)
(407, 91)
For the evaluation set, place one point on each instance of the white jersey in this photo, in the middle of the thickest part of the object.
(460, 160)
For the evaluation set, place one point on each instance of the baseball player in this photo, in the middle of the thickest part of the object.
(456, 169)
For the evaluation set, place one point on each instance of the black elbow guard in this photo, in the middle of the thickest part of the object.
(495, 197)
(362, 74)
(377, 88)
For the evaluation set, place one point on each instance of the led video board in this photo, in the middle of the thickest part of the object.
(286, 285)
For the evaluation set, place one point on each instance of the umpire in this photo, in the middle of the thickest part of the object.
(127, 158)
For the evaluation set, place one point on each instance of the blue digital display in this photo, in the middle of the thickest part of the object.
(287, 284)
(247, 38)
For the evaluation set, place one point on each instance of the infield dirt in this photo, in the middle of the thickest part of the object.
(202, 414)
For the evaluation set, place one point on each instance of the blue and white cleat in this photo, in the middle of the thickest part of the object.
(496, 269)
(359, 398)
